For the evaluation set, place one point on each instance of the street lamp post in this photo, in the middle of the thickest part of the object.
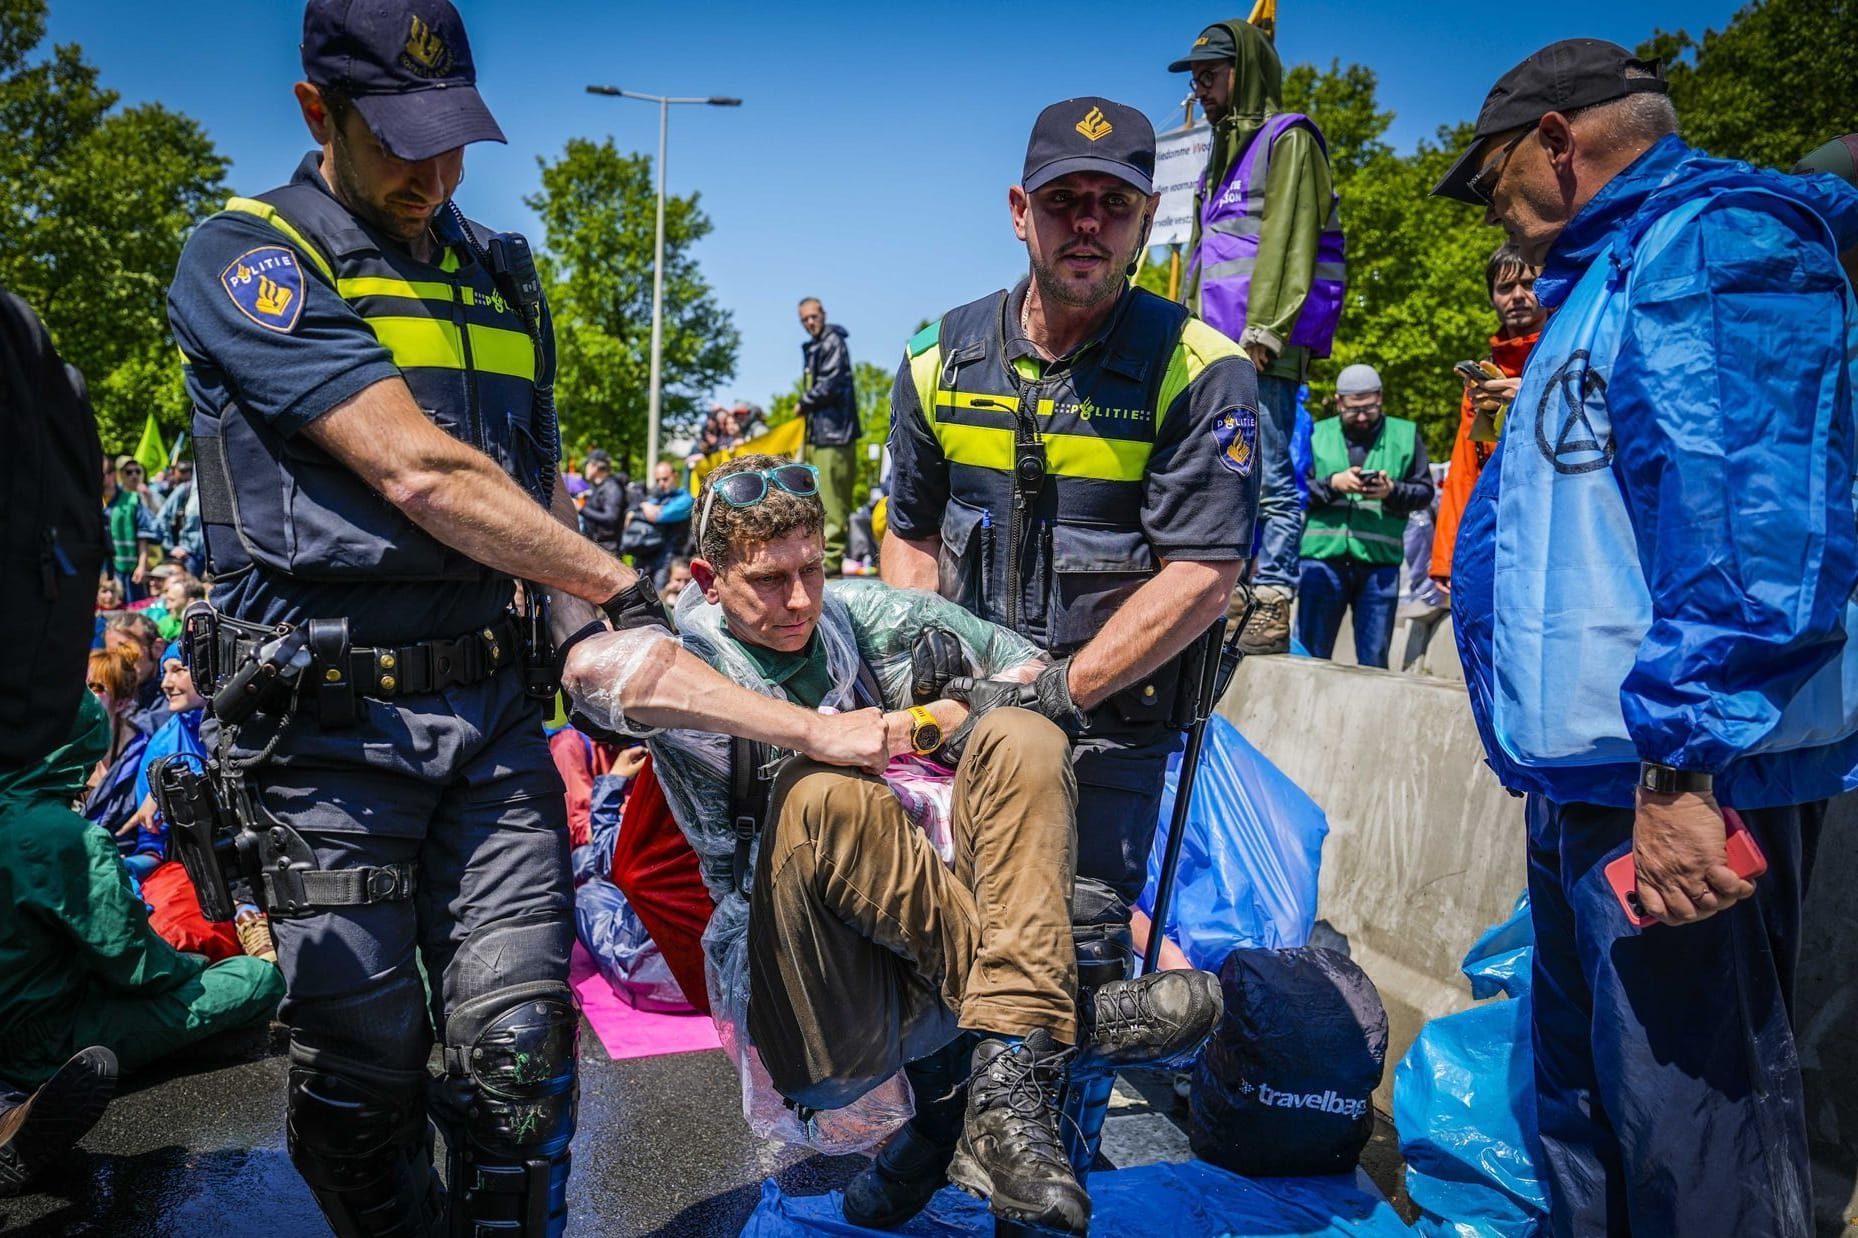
(664, 111)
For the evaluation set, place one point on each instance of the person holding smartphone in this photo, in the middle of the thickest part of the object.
(1368, 473)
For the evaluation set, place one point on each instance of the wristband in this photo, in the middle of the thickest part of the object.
(636, 606)
(1669, 780)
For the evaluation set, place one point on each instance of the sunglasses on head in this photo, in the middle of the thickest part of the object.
(750, 486)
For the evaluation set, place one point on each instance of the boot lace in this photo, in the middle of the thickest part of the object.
(1028, 1086)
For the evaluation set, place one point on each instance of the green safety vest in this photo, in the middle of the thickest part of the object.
(1360, 528)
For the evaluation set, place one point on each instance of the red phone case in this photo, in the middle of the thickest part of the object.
(1745, 861)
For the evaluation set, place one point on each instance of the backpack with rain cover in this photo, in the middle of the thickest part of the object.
(1286, 1085)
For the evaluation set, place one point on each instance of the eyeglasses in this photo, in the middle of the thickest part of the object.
(750, 486)
(1483, 185)
(1203, 78)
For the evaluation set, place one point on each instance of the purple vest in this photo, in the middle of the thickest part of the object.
(1230, 224)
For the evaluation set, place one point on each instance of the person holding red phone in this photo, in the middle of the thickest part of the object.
(1651, 594)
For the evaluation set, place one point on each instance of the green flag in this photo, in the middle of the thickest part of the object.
(153, 456)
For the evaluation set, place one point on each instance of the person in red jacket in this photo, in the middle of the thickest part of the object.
(1511, 284)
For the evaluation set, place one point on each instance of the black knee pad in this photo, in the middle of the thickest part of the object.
(357, 1134)
(507, 1107)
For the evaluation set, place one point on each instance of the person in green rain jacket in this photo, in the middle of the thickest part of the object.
(79, 964)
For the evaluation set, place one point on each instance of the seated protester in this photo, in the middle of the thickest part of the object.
(135, 628)
(178, 592)
(79, 964)
(658, 525)
(109, 596)
(110, 797)
(862, 949)
(677, 575)
(179, 734)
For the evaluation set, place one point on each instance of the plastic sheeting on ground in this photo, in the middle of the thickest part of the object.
(1249, 862)
(624, 952)
(1186, 1200)
(1464, 1102)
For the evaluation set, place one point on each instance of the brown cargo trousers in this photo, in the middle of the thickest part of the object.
(866, 951)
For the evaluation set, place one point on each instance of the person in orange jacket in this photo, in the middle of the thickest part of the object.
(1511, 284)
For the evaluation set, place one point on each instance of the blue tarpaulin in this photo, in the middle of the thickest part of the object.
(1185, 1200)
(1249, 861)
(1464, 1102)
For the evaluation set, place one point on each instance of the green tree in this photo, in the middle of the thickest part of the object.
(872, 383)
(1415, 300)
(597, 209)
(95, 204)
(1778, 81)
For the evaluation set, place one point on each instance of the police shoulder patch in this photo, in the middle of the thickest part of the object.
(1235, 432)
(267, 285)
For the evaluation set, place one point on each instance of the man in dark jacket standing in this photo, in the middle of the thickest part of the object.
(603, 511)
(830, 406)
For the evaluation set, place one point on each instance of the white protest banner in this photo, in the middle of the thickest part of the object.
(1180, 157)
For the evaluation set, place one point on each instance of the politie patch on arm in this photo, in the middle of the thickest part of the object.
(267, 285)
(1235, 430)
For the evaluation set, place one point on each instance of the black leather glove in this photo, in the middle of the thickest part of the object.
(636, 606)
(980, 696)
(935, 658)
(1052, 691)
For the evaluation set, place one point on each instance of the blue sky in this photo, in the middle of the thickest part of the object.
(870, 161)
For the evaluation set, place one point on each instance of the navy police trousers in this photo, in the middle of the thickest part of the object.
(1667, 1082)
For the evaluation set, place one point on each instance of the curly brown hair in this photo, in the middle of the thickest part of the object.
(733, 531)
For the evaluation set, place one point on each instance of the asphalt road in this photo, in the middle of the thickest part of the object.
(196, 1150)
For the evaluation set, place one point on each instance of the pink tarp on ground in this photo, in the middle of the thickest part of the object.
(628, 1033)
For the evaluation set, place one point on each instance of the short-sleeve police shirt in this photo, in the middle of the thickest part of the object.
(1197, 503)
(288, 369)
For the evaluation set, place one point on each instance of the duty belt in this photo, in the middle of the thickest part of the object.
(381, 672)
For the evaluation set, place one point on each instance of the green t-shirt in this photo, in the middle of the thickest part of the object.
(804, 676)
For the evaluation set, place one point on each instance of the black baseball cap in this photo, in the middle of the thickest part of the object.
(1090, 135)
(407, 66)
(1561, 77)
(1214, 43)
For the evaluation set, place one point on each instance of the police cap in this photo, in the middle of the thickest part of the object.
(1091, 135)
(406, 65)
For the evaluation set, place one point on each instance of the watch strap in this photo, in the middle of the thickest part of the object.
(1669, 780)
(921, 718)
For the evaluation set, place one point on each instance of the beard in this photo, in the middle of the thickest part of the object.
(1056, 289)
(375, 214)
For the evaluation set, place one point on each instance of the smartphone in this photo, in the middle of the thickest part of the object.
(1369, 476)
(1471, 371)
(1745, 861)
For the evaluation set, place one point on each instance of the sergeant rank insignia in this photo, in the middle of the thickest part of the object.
(267, 286)
(1236, 432)
(1094, 126)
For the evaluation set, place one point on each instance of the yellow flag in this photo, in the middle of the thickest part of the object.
(785, 439)
(1264, 16)
(150, 452)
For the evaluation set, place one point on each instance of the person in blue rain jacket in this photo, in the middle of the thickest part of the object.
(1653, 602)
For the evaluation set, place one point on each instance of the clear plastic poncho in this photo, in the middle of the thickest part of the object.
(860, 618)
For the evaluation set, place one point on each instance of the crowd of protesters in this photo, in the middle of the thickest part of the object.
(108, 961)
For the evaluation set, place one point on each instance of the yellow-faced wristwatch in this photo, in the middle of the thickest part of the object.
(925, 731)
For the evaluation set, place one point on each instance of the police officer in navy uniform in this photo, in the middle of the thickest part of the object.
(1074, 459)
(377, 456)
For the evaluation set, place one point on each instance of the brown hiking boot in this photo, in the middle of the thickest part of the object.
(1268, 629)
(1010, 1154)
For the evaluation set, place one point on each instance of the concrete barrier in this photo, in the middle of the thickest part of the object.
(1425, 847)
(1426, 850)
